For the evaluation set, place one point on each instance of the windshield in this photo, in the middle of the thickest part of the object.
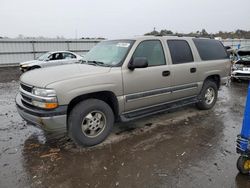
(108, 53)
(44, 56)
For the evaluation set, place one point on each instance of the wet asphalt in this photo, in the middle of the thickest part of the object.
(181, 148)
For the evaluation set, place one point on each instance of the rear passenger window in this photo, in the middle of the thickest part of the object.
(180, 51)
(68, 56)
(152, 50)
(210, 49)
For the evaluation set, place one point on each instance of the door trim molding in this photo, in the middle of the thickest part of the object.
(158, 92)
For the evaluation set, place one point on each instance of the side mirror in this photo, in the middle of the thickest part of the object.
(138, 62)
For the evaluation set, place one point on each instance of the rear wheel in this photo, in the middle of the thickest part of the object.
(90, 122)
(208, 95)
(243, 165)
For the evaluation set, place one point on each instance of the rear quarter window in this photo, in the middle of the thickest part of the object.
(210, 49)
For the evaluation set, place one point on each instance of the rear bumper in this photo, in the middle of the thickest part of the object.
(49, 120)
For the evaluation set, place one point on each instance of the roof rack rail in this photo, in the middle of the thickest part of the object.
(208, 37)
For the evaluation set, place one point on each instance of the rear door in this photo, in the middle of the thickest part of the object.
(69, 58)
(54, 59)
(184, 73)
(144, 87)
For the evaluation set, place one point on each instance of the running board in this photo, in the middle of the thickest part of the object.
(157, 109)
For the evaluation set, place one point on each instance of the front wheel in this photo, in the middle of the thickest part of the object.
(208, 95)
(90, 122)
(243, 165)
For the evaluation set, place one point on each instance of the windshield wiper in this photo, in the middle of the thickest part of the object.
(95, 63)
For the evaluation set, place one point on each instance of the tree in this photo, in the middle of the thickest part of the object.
(166, 32)
(204, 33)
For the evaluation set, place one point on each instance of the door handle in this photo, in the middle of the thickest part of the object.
(165, 73)
(192, 70)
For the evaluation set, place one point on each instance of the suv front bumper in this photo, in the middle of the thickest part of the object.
(49, 120)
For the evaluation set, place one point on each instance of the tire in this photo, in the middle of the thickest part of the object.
(90, 122)
(209, 91)
(233, 79)
(241, 163)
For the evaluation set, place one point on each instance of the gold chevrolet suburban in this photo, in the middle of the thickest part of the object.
(121, 80)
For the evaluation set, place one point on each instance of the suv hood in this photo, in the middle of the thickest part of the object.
(43, 77)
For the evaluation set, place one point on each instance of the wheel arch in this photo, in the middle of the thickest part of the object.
(107, 96)
(214, 78)
(34, 67)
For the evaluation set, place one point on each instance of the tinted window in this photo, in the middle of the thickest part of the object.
(180, 51)
(56, 56)
(210, 49)
(152, 50)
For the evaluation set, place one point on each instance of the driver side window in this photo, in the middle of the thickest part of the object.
(152, 50)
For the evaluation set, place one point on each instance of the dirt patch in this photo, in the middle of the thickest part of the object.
(8, 74)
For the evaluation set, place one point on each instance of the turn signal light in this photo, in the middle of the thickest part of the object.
(45, 105)
(50, 105)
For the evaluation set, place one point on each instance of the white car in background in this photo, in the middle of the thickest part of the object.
(241, 66)
(51, 59)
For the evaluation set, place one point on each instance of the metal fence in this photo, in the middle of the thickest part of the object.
(236, 43)
(13, 51)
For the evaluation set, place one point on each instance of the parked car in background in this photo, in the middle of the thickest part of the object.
(241, 66)
(51, 59)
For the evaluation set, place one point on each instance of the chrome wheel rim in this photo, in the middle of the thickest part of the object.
(93, 124)
(209, 95)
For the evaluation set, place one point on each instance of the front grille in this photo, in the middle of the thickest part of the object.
(27, 104)
(27, 99)
(26, 87)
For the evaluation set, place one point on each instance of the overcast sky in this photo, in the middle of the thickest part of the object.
(119, 18)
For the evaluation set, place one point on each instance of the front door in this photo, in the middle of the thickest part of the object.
(144, 87)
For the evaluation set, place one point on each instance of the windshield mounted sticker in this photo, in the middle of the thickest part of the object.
(123, 44)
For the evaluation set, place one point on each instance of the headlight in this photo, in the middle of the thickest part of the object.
(44, 92)
(237, 67)
(46, 98)
(24, 66)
